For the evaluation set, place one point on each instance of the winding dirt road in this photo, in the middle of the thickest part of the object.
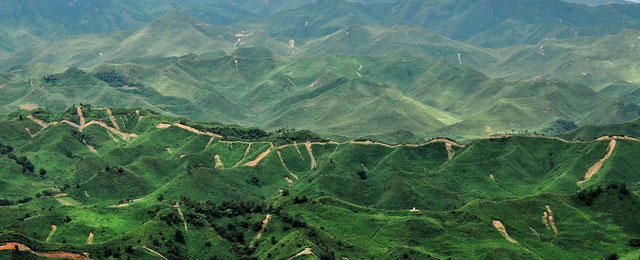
(24, 248)
(503, 231)
(310, 151)
(260, 157)
(53, 231)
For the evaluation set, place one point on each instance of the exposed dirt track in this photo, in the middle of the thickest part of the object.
(186, 228)
(82, 119)
(264, 225)
(450, 151)
(306, 251)
(124, 204)
(596, 167)
(298, 150)
(193, 130)
(503, 231)
(219, 164)
(41, 123)
(63, 202)
(290, 181)
(53, 231)
(260, 157)
(90, 239)
(535, 233)
(113, 119)
(285, 166)
(243, 157)
(310, 151)
(63, 255)
(125, 136)
(154, 252)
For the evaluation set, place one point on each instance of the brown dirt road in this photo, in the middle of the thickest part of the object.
(24, 248)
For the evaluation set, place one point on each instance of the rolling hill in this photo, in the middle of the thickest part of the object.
(251, 194)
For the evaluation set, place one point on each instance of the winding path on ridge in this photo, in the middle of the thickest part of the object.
(61, 254)
(154, 252)
(306, 251)
(53, 231)
(112, 119)
(285, 166)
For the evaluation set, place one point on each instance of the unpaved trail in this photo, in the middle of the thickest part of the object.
(285, 166)
(60, 195)
(243, 157)
(53, 231)
(264, 225)
(450, 151)
(260, 157)
(545, 219)
(163, 126)
(182, 217)
(492, 177)
(70, 123)
(306, 251)
(64, 202)
(219, 164)
(364, 167)
(29, 131)
(535, 232)
(113, 119)
(87, 194)
(90, 239)
(236, 61)
(111, 135)
(41, 123)
(82, 119)
(123, 135)
(168, 150)
(125, 203)
(551, 220)
(298, 150)
(459, 58)
(91, 148)
(154, 252)
(290, 181)
(503, 231)
(28, 107)
(24, 248)
(195, 131)
(307, 144)
(596, 167)
(209, 143)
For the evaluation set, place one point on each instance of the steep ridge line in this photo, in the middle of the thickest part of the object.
(154, 252)
(260, 157)
(285, 166)
(307, 144)
(219, 164)
(243, 156)
(53, 231)
(503, 231)
(113, 119)
(22, 247)
(596, 167)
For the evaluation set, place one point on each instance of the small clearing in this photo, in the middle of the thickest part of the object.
(306, 251)
(219, 164)
(113, 119)
(260, 157)
(154, 252)
(503, 231)
(285, 166)
(310, 151)
(53, 231)
(244, 156)
(90, 239)
(596, 167)
(24, 248)
(59, 195)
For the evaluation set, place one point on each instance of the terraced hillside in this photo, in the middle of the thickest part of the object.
(91, 183)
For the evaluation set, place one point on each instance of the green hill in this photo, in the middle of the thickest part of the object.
(185, 192)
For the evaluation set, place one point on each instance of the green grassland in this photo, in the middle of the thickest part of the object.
(356, 203)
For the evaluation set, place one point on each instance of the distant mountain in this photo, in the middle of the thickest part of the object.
(491, 23)
(601, 63)
(255, 86)
(598, 2)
